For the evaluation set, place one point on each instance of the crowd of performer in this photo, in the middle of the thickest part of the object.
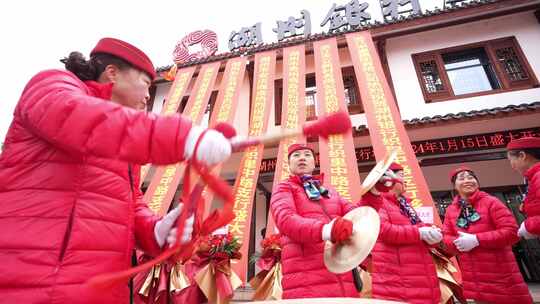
(70, 205)
(478, 229)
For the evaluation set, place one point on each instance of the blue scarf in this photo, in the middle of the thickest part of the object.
(467, 215)
(408, 210)
(313, 188)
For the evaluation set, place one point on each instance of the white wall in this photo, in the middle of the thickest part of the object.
(523, 26)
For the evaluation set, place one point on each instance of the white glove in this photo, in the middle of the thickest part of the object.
(186, 234)
(430, 235)
(327, 231)
(164, 231)
(214, 148)
(466, 241)
(522, 232)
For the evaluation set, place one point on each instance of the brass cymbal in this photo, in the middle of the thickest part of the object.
(377, 172)
(340, 258)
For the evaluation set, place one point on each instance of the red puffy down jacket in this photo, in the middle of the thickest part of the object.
(300, 221)
(490, 272)
(401, 264)
(531, 204)
(67, 212)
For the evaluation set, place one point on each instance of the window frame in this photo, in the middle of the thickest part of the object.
(489, 46)
(311, 109)
(347, 72)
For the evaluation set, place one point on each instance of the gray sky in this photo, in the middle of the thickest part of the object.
(36, 34)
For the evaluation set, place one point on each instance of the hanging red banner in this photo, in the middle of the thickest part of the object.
(293, 114)
(166, 178)
(386, 129)
(226, 104)
(174, 97)
(337, 157)
(248, 171)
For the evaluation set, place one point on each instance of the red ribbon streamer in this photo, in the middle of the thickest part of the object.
(218, 218)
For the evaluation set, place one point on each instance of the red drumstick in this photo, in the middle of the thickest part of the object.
(336, 123)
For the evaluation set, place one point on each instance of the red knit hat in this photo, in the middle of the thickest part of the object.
(524, 143)
(127, 52)
(395, 167)
(457, 170)
(296, 147)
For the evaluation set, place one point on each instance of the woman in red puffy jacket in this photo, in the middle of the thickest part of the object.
(70, 205)
(481, 230)
(524, 156)
(402, 268)
(307, 214)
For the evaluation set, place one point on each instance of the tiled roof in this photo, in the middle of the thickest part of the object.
(320, 36)
(523, 108)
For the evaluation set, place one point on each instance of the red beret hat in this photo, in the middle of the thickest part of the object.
(127, 52)
(296, 147)
(395, 167)
(455, 172)
(524, 143)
